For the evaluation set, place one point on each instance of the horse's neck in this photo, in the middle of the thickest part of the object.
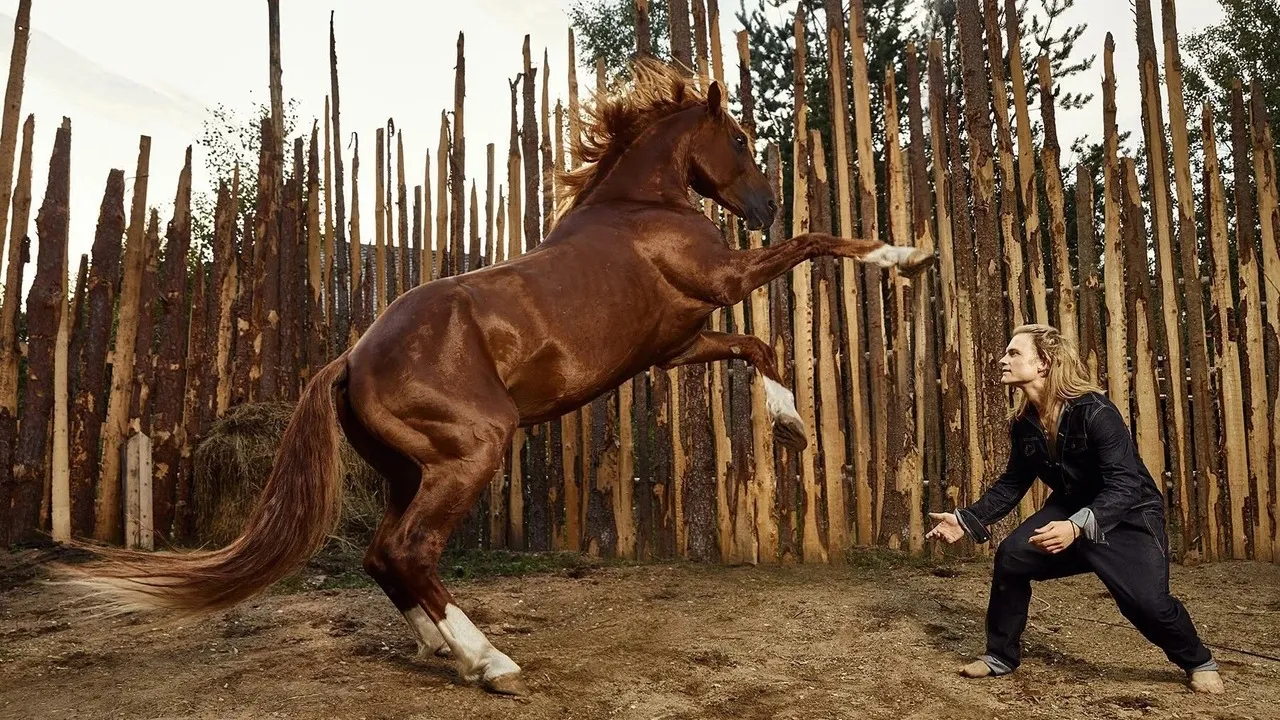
(654, 169)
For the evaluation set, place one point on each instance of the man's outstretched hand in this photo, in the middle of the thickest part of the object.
(1055, 536)
(948, 527)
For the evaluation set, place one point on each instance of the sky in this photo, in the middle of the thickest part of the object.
(123, 69)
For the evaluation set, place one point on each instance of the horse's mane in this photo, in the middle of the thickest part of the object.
(612, 122)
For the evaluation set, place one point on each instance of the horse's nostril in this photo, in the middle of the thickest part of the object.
(773, 206)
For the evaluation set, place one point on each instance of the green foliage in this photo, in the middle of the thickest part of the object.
(231, 137)
(607, 28)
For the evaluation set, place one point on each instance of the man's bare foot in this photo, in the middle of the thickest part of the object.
(1206, 681)
(976, 669)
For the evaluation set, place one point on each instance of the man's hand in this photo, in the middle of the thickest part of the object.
(948, 527)
(1055, 536)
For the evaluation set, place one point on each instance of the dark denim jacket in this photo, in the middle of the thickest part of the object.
(1096, 475)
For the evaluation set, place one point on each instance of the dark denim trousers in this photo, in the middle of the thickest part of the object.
(1133, 565)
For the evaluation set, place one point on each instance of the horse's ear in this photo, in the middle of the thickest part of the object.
(714, 99)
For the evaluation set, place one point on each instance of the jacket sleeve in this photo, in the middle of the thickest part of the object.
(1002, 496)
(1118, 466)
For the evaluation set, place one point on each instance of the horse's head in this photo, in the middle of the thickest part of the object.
(722, 166)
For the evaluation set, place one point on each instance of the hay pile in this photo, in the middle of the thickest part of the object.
(233, 461)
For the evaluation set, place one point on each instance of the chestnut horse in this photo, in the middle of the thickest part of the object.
(432, 393)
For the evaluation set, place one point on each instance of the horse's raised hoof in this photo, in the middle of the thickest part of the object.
(509, 684)
(917, 262)
(790, 432)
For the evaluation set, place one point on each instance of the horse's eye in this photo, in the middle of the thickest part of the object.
(742, 140)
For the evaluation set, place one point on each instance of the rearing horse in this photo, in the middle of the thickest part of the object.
(432, 393)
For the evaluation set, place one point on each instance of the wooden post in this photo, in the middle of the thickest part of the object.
(189, 431)
(872, 279)
(137, 511)
(1166, 276)
(171, 357)
(264, 377)
(1264, 174)
(782, 341)
(991, 334)
(89, 410)
(1026, 169)
(678, 32)
(59, 461)
(358, 321)
(955, 476)
(342, 251)
(1249, 319)
(12, 108)
(107, 518)
(328, 262)
(489, 240)
(1231, 395)
(1063, 286)
(442, 258)
(1016, 265)
(763, 487)
(276, 146)
(243, 363)
(144, 359)
(317, 355)
(19, 256)
(457, 160)
(225, 278)
(46, 305)
(428, 262)
(1113, 244)
(832, 436)
(928, 429)
(380, 222)
(513, 501)
(1092, 349)
(415, 251)
(644, 43)
(403, 256)
(1146, 420)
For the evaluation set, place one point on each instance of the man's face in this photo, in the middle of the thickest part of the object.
(1021, 363)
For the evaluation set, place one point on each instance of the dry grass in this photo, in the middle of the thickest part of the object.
(235, 458)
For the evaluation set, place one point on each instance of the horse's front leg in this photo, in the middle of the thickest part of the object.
(710, 346)
(742, 271)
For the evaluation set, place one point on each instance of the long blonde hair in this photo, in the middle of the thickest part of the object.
(1068, 377)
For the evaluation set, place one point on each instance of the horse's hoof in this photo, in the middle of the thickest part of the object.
(790, 432)
(509, 684)
(918, 262)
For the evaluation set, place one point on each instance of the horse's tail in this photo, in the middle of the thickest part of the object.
(298, 507)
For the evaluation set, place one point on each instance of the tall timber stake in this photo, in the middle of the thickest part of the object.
(317, 355)
(19, 256)
(358, 321)
(264, 376)
(107, 520)
(802, 295)
(1166, 276)
(512, 503)
(1249, 318)
(989, 301)
(1032, 242)
(1231, 396)
(90, 410)
(1013, 243)
(12, 108)
(380, 221)
(955, 478)
(1092, 349)
(871, 278)
(442, 259)
(1264, 173)
(1113, 244)
(764, 483)
(346, 272)
(403, 257)
(46, 304)
(457, 162)
(427, 262)
(226, 277)
(1063, 284)
(171, 359)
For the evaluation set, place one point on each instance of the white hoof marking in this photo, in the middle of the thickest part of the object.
(779, 400)
(477, 659)
(889, 255)
(430, 641)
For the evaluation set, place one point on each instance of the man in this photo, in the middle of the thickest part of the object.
(1105, 514)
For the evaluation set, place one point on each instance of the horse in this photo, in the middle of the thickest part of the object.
(433, 391)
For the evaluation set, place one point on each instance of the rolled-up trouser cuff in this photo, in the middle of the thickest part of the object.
(997, 666)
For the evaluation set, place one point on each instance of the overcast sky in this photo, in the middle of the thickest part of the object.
(132, 67)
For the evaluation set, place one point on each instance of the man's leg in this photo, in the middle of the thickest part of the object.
(1017, 563)
(1134, 565)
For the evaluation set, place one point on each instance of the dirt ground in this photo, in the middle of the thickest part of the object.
(878, 638)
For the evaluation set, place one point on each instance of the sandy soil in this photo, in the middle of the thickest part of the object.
(880, 638)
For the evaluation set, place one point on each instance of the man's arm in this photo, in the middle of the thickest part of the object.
(1121, 480)
(1001, 498)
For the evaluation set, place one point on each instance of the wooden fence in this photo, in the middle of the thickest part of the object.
(1176, 307)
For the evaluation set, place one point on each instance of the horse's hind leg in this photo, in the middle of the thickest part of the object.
(402, 477)
(457, 461)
